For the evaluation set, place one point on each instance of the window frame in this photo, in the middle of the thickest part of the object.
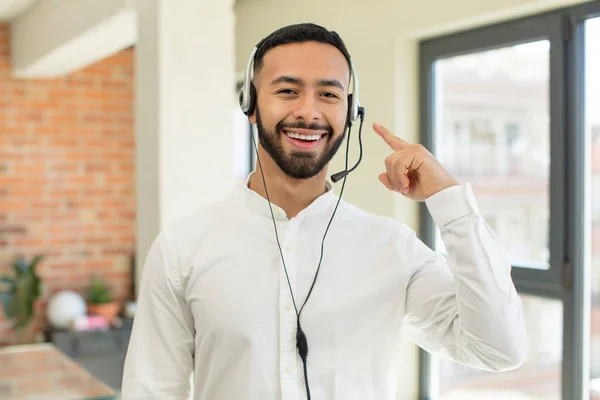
(567, 279)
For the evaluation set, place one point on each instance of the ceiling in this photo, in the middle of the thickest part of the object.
(10, 9)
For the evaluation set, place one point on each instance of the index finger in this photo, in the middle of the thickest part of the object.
(393, 141)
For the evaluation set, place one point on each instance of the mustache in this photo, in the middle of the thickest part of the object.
(303, 125)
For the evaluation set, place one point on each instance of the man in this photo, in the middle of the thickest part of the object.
(223, 296)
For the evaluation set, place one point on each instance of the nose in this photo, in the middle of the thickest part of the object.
(307, 108)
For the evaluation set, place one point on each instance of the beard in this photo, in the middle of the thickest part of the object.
(298, 164)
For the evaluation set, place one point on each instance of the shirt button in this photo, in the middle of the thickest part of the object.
(288, 307)
(288, 249)
(288, 370)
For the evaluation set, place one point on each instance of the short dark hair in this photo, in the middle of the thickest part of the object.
(299, 33)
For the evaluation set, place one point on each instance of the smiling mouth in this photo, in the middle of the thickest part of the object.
(304, 138)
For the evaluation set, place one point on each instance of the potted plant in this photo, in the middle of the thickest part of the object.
(18, 294)
(100, 300)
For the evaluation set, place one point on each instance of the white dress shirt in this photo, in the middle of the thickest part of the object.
(215, 319)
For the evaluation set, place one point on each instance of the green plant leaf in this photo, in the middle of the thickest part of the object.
(25, 288)
(36, 285)
(34, 263)
(17, 267)
(8, 304)
(99, 292)
(24, 301)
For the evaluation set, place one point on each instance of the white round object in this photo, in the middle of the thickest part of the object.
(130, 308)
(64, 307)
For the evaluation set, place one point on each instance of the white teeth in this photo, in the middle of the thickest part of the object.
(303, 137)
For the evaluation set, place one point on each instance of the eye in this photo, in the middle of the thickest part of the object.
(286, 91)
(330, 95)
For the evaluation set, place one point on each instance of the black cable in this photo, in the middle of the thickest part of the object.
(301, 340)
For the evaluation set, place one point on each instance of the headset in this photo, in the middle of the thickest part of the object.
(248, 92)
(247, 98)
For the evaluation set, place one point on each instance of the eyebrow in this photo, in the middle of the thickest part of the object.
(297, 81)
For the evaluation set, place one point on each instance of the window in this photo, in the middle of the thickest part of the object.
(513, 109)
(507, 162)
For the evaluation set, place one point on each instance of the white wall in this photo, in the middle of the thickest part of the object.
(56, 37)
(184, 73)
(382, 37)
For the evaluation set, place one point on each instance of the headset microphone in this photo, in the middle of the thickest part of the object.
(342, 174)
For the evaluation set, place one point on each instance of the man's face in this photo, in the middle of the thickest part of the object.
(302, 104)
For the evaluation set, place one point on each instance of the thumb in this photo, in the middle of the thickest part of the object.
(394, 142)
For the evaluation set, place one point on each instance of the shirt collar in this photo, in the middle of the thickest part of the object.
(260, 205)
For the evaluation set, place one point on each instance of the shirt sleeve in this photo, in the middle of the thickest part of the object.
(464, 305)
(159, 360)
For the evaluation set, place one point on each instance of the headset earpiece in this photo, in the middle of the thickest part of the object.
(251, 99)
(248, 104)
(349, 114)
(353, 103)
(248, 92)
(241, 99)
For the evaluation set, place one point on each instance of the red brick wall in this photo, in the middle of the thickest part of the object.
(67, 185)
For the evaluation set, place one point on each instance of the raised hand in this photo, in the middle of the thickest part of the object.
(412, 170)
